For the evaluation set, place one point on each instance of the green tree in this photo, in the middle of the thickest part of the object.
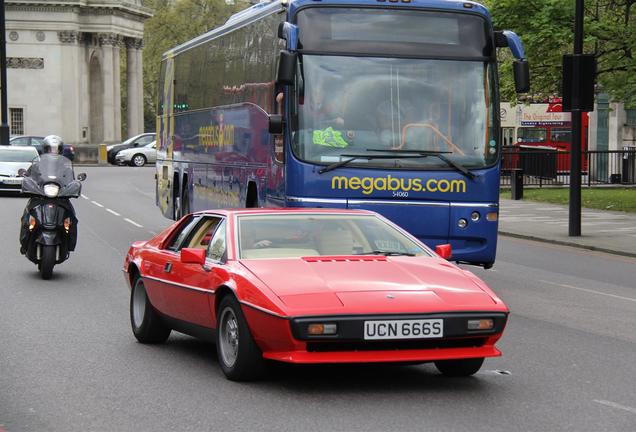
(547, 30)
(175, 22)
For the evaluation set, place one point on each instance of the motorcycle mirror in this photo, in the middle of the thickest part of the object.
(21, 172)
(81, 176)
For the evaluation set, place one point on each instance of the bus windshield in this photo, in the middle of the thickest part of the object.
(349, 105)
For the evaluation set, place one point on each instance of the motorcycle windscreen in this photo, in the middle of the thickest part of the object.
(51, 168)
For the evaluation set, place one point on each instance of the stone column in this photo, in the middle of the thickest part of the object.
(134, 71)
(108, 41)
(70, 86)
(117, 86)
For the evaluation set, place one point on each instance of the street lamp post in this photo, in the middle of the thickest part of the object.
(4, 126)
(579, 75)
(575, 147)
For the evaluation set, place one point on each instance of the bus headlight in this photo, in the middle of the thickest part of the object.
(474, 216)
(462, 223)
(51, 190)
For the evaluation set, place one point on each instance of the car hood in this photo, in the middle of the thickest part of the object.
(385, 285)
(11, 168)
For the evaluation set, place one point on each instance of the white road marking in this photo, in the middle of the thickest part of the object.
(112, 212)
(615, 405)
(133, 223)
(97, 204)
(85, 197)
(590, 291)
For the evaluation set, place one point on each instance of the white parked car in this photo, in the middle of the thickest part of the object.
(138, 156)
(12, 159)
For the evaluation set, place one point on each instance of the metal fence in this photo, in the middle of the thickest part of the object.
(543, 166)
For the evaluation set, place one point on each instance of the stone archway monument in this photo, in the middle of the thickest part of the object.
(64, 72)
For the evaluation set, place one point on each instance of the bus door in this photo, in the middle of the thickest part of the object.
(165, 135)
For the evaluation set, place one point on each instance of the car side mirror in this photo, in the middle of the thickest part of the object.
(81, 176)
(192, 256)
(21, 172)
(444, 250)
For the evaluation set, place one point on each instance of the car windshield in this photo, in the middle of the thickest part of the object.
(298, 235)
(14, 155)
(351, 105)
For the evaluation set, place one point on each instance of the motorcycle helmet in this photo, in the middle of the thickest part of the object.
(52, 144)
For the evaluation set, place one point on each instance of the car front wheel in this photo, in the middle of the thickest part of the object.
(459, 368)
(145, 320)
(239, 356)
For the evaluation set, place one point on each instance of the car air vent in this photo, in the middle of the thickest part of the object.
(345, 258)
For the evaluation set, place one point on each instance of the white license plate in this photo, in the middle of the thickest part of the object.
(10, 180)
(404, 329)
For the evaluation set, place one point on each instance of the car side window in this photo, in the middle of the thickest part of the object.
(202, 235)
(20, 142)
(145, 140)
(178, 240)
(217, 249)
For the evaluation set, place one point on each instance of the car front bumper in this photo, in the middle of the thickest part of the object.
(283, 339)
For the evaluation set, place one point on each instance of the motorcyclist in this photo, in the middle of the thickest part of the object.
(52, 146)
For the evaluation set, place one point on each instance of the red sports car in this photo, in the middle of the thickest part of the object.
(310, 286)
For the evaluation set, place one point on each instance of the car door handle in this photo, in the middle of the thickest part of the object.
(168, 267)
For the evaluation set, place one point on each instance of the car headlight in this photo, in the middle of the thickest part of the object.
(51, 190)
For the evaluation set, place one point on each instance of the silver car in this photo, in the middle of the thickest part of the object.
(12, 159)
(138, 156)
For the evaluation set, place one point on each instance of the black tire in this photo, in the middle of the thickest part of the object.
(144, 319)
(47, 261)
(459, 368)
(245, 362)
(138, 160)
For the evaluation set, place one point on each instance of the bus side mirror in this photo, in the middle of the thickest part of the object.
(276, 124)
(522, 76)
(286, 67)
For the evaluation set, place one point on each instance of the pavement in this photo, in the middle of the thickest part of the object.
(601, 230)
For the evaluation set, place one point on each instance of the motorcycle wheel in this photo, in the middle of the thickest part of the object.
(47, 261)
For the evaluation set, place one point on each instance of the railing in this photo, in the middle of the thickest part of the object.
(550, 167)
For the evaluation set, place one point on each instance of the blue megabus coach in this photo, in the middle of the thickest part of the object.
(390, 106)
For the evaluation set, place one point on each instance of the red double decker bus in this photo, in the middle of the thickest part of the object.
(542, 126)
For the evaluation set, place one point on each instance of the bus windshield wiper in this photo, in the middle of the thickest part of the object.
(352, 157)
(424, 153)
(386, 253)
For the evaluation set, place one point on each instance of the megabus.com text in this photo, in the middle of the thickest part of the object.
(399, 186)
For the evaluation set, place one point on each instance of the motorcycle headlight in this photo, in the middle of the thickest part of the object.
(51, 190)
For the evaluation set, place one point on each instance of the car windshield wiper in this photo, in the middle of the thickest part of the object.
(386, 253)
(352, 157)
(424, 153)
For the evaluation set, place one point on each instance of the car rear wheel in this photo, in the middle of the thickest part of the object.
(459, 368)
(239, 356)
(144, 319)
(139, 160)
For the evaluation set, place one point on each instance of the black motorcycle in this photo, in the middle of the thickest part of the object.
(49, 225)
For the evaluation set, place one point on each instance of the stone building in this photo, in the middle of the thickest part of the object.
(63, 69)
